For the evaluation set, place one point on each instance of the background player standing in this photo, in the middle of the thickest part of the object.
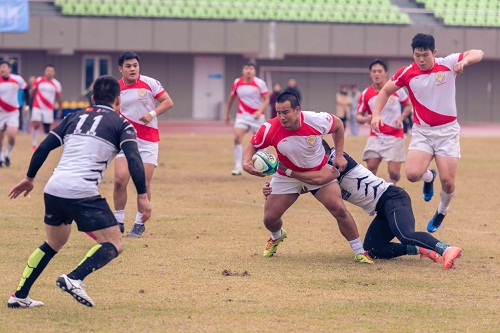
(45, 92)
(138, 96)
(435, 134)
(91, 139)
(388, 144)
(10, 84)
(253, 99)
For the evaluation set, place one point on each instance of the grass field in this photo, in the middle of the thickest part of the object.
(198, 267)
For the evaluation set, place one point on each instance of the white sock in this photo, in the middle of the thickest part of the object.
(238, 156)
(120, 216)
(138, 218)
(8, 149)
(34, 135)
(357, 246)
(445, 202)
(428, 176)
(275, 235)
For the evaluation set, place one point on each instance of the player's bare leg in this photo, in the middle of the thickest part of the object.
(122, 177)
(239, 133)
(35, 125)
(330, 196)
(275, 206)
(447, 169)
(139, 228)
(417, 162)
(11, 133)
(394, 169)
(372, 164)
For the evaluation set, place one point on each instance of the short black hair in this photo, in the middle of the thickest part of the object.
(50, 65)
(250, 64)
(127, 56)
(106, 90)
(378, 62)
(423, 41)
(5, 62)
(288, 96)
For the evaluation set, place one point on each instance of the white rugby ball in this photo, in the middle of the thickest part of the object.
(265, 162)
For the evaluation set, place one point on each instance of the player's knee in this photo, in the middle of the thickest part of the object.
(395, 176)
(413, 176)
(120, 184)
(448, 185)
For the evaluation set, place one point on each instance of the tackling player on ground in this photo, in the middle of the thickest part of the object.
(391, 204)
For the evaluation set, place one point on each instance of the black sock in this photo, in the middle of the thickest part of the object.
(35, 266)
(98, 256)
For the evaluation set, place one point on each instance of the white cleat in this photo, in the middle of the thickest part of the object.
(75, 289)
(15, 302)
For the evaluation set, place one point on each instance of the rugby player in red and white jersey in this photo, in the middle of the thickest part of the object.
(10, 84)
(388, 144)
(253, 99)
(435, 134)
(139, 94)
(297, 136)
(46, 91)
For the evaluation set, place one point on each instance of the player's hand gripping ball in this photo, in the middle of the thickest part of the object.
(265, 162)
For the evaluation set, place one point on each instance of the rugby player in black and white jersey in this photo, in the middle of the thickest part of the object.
(91, 139)
(392, 206)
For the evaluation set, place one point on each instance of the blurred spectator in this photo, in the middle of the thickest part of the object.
(354, 93)
(292, 87)
(344, 102)
(272, 98)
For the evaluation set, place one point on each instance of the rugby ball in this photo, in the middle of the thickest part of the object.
(265, 162)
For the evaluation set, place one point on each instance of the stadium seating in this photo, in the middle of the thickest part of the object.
(341, 11)
(479, 13)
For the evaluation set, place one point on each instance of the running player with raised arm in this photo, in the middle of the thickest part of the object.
(138, 96)
(253, 99)
(388, 144)
(392, 206)
(435, 134)
(91, 139)
(10, 84)
(297, 137)
(45, 92)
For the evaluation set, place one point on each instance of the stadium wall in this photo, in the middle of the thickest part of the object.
(168, 49)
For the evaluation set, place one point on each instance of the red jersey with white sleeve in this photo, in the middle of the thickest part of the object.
(138, 99)
(390, 113)
(432, 92)
(46, 92)
(249, 94)
(299, 150)
(9, 89)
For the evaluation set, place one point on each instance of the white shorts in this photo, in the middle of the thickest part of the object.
(148, 151)
(286, 185)
(248, 122)
(441, 140)
(8, 119)
(390, 149)
(45, 116)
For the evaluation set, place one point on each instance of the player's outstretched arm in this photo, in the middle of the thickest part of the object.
(380, 102)
(470, 57)
(338, 141)
(230, 102)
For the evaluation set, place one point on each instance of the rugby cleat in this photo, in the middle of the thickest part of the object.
(432, 255)
(272, 244)
(75, 289)
(450, 255)
(435, 222)
(137, 230)
(7, 161)
(428, 188)
(122, 227)
(15, 302)
(363, 258)
(236, 172)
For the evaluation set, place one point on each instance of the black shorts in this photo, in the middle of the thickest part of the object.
(90, 214)
(393, 199)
